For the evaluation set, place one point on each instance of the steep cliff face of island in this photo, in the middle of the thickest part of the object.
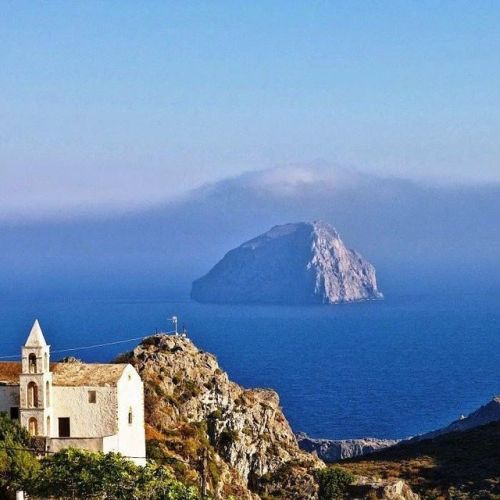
(202, 423)
(302, 263)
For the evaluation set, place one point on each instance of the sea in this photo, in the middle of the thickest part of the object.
(388, 369)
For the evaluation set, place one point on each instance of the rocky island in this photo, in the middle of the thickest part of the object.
(300, 263)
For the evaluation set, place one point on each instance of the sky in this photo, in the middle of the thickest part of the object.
(123, 103)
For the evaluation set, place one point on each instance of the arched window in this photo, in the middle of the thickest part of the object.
(32, 363)
(48, 427)
(32, 395)
(46, 362)
(130, 416)
(47, 393)
(33, 426)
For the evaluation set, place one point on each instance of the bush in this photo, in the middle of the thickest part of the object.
(76, 473)
(333, 482)
(17, 462)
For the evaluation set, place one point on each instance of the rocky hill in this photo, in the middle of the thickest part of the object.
(205, 425)
(302, 263)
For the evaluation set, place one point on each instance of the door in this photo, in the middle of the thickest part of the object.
(64, 427)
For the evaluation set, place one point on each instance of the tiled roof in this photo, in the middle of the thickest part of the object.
(9, 372)
(83, 374)
(68, 374)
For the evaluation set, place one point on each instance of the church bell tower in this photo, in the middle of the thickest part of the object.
(35, 384)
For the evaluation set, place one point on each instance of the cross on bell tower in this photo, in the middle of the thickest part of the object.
(35, 384)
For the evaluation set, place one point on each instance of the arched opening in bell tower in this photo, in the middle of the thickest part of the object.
(33, 426)
(32, 363)
(32, 395)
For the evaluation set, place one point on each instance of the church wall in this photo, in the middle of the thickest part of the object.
(86, 419)
(58, 444)
(131, 396)
(9, 396)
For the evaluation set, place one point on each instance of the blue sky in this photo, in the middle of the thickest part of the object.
(125, 103)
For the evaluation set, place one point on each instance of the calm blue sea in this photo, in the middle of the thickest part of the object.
(387, 369)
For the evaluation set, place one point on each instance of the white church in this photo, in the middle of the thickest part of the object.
(96, 407)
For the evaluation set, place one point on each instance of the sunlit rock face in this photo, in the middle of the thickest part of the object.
(192, 405)
(300, 263)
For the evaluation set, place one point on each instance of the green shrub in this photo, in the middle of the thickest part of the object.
(76, 473)
(17, 462)
(333, 482)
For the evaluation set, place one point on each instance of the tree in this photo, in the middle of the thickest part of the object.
(333, 482)
(17, 462)
(74, 473)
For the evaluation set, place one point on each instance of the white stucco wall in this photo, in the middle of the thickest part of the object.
(110, 443)
(131, 437)
(87, 420)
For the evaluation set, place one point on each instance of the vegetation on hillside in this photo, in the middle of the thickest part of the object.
(75, 473)
(459, 465)
(333, 482)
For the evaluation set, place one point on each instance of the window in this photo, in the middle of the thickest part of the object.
(92, 397)
(32, 395)
(130, 416)
(64, 427)
(14, 413)
(47, 393)
(32, 363)
(48, 427)
(33, 426)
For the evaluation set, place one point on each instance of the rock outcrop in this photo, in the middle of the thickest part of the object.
(302, 263)
(195, 415)
(332, 450)
(388, 489)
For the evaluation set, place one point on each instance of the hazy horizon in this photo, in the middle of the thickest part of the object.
(109, 108)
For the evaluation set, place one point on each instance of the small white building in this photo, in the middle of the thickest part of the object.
(96, 407)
